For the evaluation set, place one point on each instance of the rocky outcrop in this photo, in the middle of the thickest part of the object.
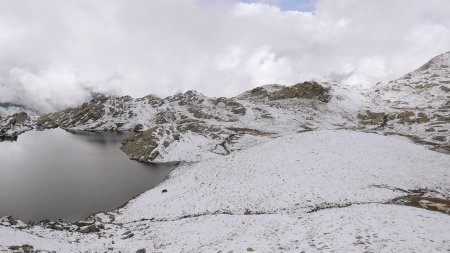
(13, 125)
(373, 118)
(308, 90)
(141, 145)
(305, 90)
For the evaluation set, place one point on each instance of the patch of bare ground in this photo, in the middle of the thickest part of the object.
(250, 131)
(428, 203)
(417, 198)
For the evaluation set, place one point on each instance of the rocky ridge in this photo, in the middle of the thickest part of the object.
(191, 126)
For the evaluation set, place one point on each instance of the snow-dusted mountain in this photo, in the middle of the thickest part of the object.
(191, 126)
(310, 167)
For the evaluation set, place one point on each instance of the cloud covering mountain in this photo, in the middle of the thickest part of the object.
(57, 53)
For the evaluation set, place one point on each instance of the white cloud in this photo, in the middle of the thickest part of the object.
(54, 52)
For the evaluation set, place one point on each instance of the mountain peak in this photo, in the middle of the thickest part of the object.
(437, 62)
(438, 66)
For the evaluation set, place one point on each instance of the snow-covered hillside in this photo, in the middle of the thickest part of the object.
(416, 105)
(314, 191)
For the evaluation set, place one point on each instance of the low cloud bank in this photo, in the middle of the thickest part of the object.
(57, 53)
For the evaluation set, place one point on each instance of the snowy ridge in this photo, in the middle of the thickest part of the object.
(191, 126)
(417, 104)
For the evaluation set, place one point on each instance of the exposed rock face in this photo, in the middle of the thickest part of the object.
(403, 117)
(306, 90)
(309, 90)
(18, 118)
(373, 118)
(140, 146)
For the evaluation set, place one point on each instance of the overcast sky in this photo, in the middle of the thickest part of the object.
(53, 53)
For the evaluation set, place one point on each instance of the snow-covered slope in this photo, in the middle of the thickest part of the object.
(425, 88)
(314, 191)
(417, 104)
(299, 172)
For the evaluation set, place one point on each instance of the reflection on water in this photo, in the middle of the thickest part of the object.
(55, 174)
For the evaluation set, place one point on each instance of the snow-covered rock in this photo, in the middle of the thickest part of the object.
(15, 124)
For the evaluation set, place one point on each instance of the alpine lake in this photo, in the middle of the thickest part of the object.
(55, 174)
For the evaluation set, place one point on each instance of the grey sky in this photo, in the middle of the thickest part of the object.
(53, 53)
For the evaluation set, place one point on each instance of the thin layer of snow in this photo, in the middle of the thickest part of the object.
(359, 228)
(297, 173)
(314, 191)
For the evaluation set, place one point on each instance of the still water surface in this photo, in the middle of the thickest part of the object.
(56, 174)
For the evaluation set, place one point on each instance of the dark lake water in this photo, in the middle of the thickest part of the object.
(55, 174)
